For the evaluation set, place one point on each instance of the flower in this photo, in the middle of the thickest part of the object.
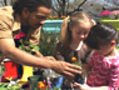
(25, 45)
(29, 48)
(105, 12)
(12, 85)
(20, 35)
(78, 78)
(115, 13)
(109, 14)
(41, 85)
(56, 17)
(75, 61)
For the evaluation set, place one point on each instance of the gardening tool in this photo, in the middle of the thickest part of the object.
(27, 72)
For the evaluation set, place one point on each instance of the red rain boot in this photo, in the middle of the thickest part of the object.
(10, 71)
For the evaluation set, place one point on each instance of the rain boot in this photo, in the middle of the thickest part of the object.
(10, 71)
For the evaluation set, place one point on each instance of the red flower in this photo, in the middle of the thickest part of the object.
(20, 35)
(27, 47)
(105, 12)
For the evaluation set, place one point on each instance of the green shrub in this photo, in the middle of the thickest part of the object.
(48, 42)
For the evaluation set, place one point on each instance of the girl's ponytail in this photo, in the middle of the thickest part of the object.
(64, 30)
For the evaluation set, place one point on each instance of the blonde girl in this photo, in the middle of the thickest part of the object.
(73, 31)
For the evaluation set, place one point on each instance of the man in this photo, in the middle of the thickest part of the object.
(29, 14)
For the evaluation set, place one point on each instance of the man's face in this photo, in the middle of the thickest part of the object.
(36, 19)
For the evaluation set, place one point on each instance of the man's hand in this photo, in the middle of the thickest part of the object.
(66, 69)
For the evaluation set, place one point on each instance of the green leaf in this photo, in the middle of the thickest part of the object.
(31, 46)
(2, 86)
(26, 43)
(36, 48)
(8, 78)
(22, 47)
(28, 50)
(15, 87)
(77, 63)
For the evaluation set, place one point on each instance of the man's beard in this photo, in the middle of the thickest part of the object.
(36, 26)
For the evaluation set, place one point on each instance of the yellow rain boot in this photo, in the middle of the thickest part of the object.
(27, 72)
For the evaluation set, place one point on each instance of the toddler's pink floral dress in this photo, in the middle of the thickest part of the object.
(104, 71)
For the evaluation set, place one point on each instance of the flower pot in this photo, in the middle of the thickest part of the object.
(52, 26)
(27, 72)
(114, 23)
(10, 71)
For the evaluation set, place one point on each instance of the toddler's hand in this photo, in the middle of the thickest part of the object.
(82, 87)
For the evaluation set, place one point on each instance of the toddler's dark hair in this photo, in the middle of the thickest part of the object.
(101, 34)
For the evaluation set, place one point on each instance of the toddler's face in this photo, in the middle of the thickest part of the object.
(80, 31)
(105, 50)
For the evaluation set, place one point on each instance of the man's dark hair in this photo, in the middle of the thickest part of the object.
(101, 34)
(32, 5)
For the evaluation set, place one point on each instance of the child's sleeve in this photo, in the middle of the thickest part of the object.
(114, 77)
(59, 52)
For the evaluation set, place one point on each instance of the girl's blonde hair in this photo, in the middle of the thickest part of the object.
(77, 18)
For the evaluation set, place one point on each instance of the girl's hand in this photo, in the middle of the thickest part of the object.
(82, 87)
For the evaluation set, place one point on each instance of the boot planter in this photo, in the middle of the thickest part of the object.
(27, 72)
(114, 23)
(10, 71)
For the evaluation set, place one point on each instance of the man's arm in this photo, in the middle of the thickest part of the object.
(7, 47)
(39, 54)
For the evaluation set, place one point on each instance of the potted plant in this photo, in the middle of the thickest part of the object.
(53, 24)
(25, 45)
(110, 17)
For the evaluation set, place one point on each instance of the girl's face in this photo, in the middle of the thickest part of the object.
(80, 31)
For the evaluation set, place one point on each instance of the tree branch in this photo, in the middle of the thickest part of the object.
(82, 3)
(59, 2)
(77, 9)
